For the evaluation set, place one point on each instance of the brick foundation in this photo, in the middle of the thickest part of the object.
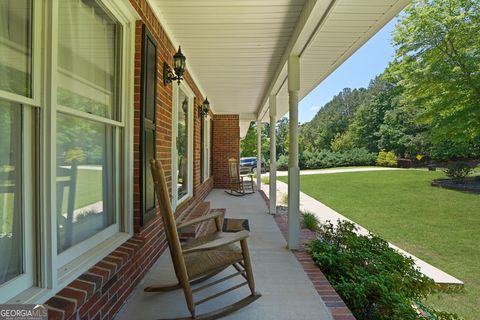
(226, 145)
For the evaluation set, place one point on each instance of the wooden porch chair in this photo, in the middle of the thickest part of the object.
(203, 257)
(238, 186)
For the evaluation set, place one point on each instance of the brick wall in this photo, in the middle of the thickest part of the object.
(226, 145)
(101, 291)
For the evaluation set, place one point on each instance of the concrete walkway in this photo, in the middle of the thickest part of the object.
(339, 170)
(287, 292)
(325, 213)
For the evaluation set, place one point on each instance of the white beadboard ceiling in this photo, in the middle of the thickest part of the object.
(237, 50)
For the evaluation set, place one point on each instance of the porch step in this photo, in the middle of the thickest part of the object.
(199, 210)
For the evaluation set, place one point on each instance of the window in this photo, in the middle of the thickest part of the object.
(16, 144)
(183, 144)
(65, 152)
(85, 179)
(148, 110)
(87, 96)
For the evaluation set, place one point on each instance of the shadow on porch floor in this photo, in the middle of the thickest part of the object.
(287, 292)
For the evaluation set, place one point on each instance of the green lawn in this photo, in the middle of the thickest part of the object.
(438, 225)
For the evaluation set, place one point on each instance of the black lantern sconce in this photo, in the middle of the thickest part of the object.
(178, 67)
(204, 108)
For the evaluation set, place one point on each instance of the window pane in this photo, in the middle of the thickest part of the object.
(85, 179)
(15, 46)
(87, 49)
(182, 145)
(11, 230)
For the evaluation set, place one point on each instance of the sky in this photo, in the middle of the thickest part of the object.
(369, 61)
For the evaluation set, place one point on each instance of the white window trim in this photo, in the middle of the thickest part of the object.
(51, 273)
(189, 93)
(24, 281)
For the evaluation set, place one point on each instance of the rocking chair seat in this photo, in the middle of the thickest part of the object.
(203, 263)
(200, 264)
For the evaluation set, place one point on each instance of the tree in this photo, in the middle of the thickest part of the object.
(364, 130)
(248, 145)
(332, 120)
(437, 63)
(282, 137)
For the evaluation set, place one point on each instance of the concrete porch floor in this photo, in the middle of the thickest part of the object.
(287, 292)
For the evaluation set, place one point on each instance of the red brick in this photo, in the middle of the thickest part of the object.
(66, 305)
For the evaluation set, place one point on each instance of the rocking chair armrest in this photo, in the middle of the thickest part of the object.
(203, 218)
(224, 239)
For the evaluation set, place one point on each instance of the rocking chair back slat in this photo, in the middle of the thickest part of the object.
(233, 171)
(169, 221)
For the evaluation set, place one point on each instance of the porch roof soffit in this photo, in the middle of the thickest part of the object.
(237, 52)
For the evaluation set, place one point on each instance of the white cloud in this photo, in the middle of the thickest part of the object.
(314, 108)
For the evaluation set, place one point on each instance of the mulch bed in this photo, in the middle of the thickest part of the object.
(468, 185)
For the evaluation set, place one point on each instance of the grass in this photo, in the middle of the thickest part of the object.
(438, 225)
(309, 220)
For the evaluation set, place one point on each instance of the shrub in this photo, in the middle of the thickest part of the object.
(282, 163)
(375, 281)
(266, 180)
(458, 170)
(284, 198)
(386, 159)
(309, 221)
(328, 159)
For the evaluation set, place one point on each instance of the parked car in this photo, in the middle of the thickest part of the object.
(249, 165)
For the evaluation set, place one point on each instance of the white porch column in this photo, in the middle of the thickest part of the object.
(259, 154)
(293, 169)
(273, 154)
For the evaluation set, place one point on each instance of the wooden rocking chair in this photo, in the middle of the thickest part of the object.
(203, 257)
(238, 186)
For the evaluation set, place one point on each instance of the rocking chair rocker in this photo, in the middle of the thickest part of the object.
(203, 257)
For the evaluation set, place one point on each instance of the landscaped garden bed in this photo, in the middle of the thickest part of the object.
(467, 185)
(375, 281)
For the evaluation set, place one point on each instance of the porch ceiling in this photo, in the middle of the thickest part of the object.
(237, 50)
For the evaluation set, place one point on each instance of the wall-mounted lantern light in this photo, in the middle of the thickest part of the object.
(204, 108)
(178, 68)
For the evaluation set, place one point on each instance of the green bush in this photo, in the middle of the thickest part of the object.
(458, 170)
(309, 221)
(282, 163)
(284, 198)
(328, 159)
(266, 180)
(386, 159)
(375, 281)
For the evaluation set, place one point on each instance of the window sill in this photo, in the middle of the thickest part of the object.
(78, 266)
(72, 270)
